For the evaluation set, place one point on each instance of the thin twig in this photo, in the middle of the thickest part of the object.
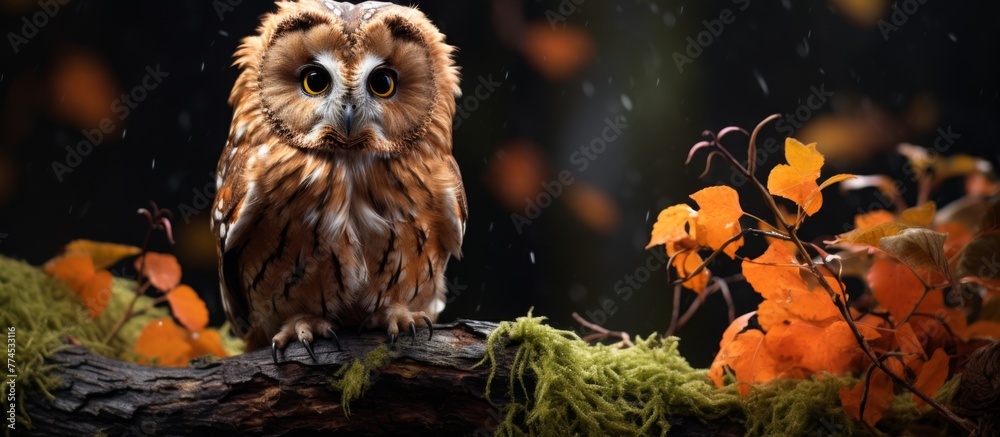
(601, 332)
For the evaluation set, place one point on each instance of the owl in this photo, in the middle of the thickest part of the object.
(339, 202)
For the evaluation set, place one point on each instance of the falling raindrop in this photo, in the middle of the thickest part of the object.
(647, 216)
(154, 164)
(760, 81)
(531, 255)
(223, 32)
(952, 37)
(202, 66)
(588, 88)
(627, 102)
(123, 132)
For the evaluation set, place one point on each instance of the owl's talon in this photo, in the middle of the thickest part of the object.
(274, 351)
(333, 336)
(430, 327)
(413, 333)
(309, 349)
(392, 340)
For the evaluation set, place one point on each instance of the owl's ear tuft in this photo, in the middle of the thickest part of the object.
(403, 30)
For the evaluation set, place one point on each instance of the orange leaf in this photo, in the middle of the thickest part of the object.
(164, 341)
(671, 225)
(188, 307)
(96, 293)
(738, 325)
(797, 180)
(73, 270)
(909, 345)
(864, 222)
(922, 215)
(208, 341)
(878, 400)
(719, 218)
(775, 276)
(162, 270)
(750, 362)
(983, 328)
(871, 236)
(688, 262)
(931, 377)
(104, 255)
(896, 287)
(816, 349)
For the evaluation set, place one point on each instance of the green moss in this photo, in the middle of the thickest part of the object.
(595, 390)
(793, 407)
(578, 388)
(353, 381)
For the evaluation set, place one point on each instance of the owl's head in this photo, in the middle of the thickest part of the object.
(343, 78)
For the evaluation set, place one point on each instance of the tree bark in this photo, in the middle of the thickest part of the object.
(428, 387)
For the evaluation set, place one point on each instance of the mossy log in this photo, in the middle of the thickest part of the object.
(427, 387)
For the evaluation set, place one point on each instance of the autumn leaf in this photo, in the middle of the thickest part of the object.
(77, 272)
(796, 181)
(866, 221)
(188, 307)
(205, 342)
(879, 397)
(919, 248)
(719, 218)
(932, 376)
(162, 270)
(103, 255)
(981, 258)
(909, 346)
(165, 343)
(72, 270)
(895, 286)
(96, 293)
(776, 276)
(815, 348)
(871, 236)
(983, 329)
(670, 225)
(686, 263)
(922, 215)
(750, 361)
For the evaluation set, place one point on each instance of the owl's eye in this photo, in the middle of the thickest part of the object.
(315, 81)
(382, 83)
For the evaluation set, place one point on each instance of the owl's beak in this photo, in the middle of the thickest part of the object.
(348, 120)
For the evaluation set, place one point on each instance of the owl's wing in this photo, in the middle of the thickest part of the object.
(456, 209)
(226, 219)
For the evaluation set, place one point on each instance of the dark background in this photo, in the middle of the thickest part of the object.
(936, 70)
